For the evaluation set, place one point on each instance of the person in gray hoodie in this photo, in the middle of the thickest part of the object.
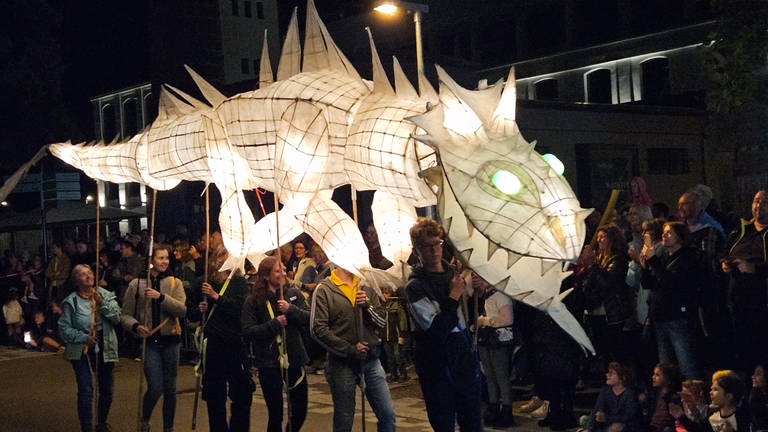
(344, 318)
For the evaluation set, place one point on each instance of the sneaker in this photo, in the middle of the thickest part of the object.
(531, 405)
(541, 412)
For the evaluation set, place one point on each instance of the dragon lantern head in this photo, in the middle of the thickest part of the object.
(514, 196)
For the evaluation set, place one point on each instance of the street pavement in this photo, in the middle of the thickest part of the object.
(38, 393)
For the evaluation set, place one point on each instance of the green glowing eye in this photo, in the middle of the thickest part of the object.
(506, 182)
(554, 162)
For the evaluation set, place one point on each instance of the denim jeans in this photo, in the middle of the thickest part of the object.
(677, 340)
(496, 365)
(106, 379)
(271, 381)
(343, 374)
(160, 365)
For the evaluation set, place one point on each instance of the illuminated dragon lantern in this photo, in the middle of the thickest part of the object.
(509, 215)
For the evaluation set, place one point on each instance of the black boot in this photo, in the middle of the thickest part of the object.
(505, 418)
(491, 414)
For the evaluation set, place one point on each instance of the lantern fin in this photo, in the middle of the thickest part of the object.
(482, 102)
(170, 107)
(403, 87)
(503, 121)
(198, 104)
(265, 66)
(426, 91)
(213, 96)
(290, 55)
(381, 84)
(320, 52)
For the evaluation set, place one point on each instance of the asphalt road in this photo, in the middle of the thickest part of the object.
(38, 393)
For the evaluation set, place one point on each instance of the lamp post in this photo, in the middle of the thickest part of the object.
(417, 9)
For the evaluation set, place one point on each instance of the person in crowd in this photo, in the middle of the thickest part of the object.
(747, 265)
(42, 336)
(652, 230)
(693, 403)
(495, 343)
(323, 269)
(673, 280)
(660, 210)
(607, 295)
(345, 317)
(153, 312)
(305, 271)
(708, 237)
(183, 263)
(272, 306)
(728, 413)
(87, 327)
(447, 367)
(758, 399)
(83, 254)
(289, 259)
(226, 373)
(390, 337)
(665, 384)
(57, 272)
(107, 270)
(13, 315)
(129, 268)
(617, 407)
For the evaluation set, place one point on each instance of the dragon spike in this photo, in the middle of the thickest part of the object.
(503, 121)
(482, 102)
(432, 122)
(381, 84)
(265, 66)
(403, 87)
(169, 107)
(426, 91)
(290, 56)
(198, 104)
(460, 118)
(320, 52)
(213, 96)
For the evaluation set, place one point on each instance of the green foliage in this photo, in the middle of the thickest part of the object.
(738, 54)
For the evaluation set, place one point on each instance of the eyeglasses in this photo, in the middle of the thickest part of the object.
(428, 246)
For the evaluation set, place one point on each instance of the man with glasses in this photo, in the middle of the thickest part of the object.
(448, 369)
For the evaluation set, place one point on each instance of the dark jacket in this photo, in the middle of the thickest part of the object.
(333, 321)
(433, 312)
(746, 243)
(674, 280)
(261, 329)
(742, 422)
(224, 322)
(605, 283)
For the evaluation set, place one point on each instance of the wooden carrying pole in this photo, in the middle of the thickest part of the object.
(198, 375)
(283, 351)
(146, 307)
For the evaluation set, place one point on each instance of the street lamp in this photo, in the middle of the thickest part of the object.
(393, 7)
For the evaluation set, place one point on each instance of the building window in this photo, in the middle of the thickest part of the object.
(245, 66)
(668, 161)
(247, 9)
(108, 123)
(235, 8)
(130, 117)
(599, 89)
(655, 80)
(546, 89)
(260, 10)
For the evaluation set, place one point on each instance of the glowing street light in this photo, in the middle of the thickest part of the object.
(417, 9)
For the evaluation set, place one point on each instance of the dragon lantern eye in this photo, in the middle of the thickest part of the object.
(506, 182)
(554, 163)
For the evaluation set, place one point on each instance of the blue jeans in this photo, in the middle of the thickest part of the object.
(160, 365)
(106, 379)
(677, 340)
(343, 374)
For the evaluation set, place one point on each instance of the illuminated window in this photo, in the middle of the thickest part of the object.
(546, 89)
(599, 88)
